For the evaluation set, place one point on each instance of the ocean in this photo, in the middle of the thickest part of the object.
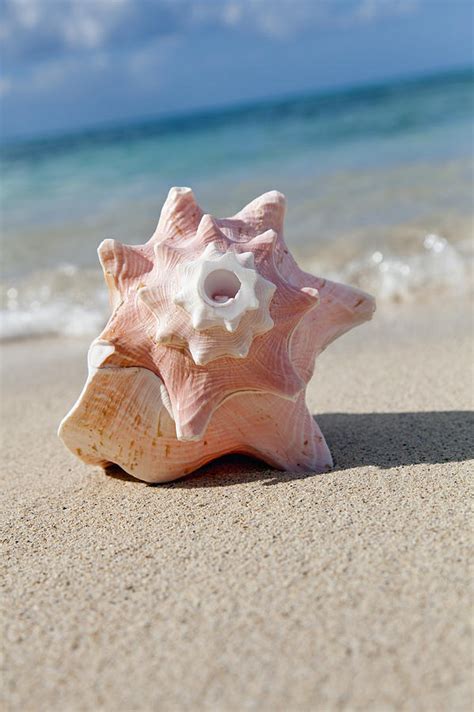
(379, 182)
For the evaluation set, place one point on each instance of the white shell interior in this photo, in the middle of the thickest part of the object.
(217, 289)
(220, 286)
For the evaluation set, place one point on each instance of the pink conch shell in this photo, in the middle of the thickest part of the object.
(212, 340)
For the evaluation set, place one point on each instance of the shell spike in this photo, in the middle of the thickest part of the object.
(145, 295)
(122, 265)
(311, 292)
(265, 212)
(107, 252)
(246, 259)
(263, 245)
(166, 256)
(265, 241)
(179, 217)
(209, 233)
(231, 326)
(198, 319)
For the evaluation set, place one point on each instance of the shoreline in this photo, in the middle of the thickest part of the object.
(241, 586)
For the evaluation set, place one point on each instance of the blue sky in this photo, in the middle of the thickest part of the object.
(73, 63)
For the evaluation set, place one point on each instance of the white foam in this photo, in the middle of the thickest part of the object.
(50, 320)
(72, 302)
(435, 267)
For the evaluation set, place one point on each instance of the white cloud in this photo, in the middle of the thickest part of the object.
(43, 39)
(28, 13)
(367, 11)
(31, 26)
(232, 14)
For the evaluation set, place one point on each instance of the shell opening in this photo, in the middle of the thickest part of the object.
(220, 286)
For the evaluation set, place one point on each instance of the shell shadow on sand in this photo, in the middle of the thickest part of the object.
(383, 440)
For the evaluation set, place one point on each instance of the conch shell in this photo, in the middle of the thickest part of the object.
(211, 343)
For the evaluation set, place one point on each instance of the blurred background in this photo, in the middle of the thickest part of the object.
(360, 111)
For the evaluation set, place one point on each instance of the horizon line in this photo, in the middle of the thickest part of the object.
(229, 108)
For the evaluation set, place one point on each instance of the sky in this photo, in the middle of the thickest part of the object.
(68, 64)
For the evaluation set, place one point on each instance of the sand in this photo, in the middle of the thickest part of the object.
(243, 588)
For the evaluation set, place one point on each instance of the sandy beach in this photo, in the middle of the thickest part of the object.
(238, 587)
(242, 587)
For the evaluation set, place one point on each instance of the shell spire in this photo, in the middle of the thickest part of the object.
(210, 345)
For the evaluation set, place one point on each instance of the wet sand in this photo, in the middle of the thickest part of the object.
(241, 587)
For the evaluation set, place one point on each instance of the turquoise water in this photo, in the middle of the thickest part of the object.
(363, 170)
